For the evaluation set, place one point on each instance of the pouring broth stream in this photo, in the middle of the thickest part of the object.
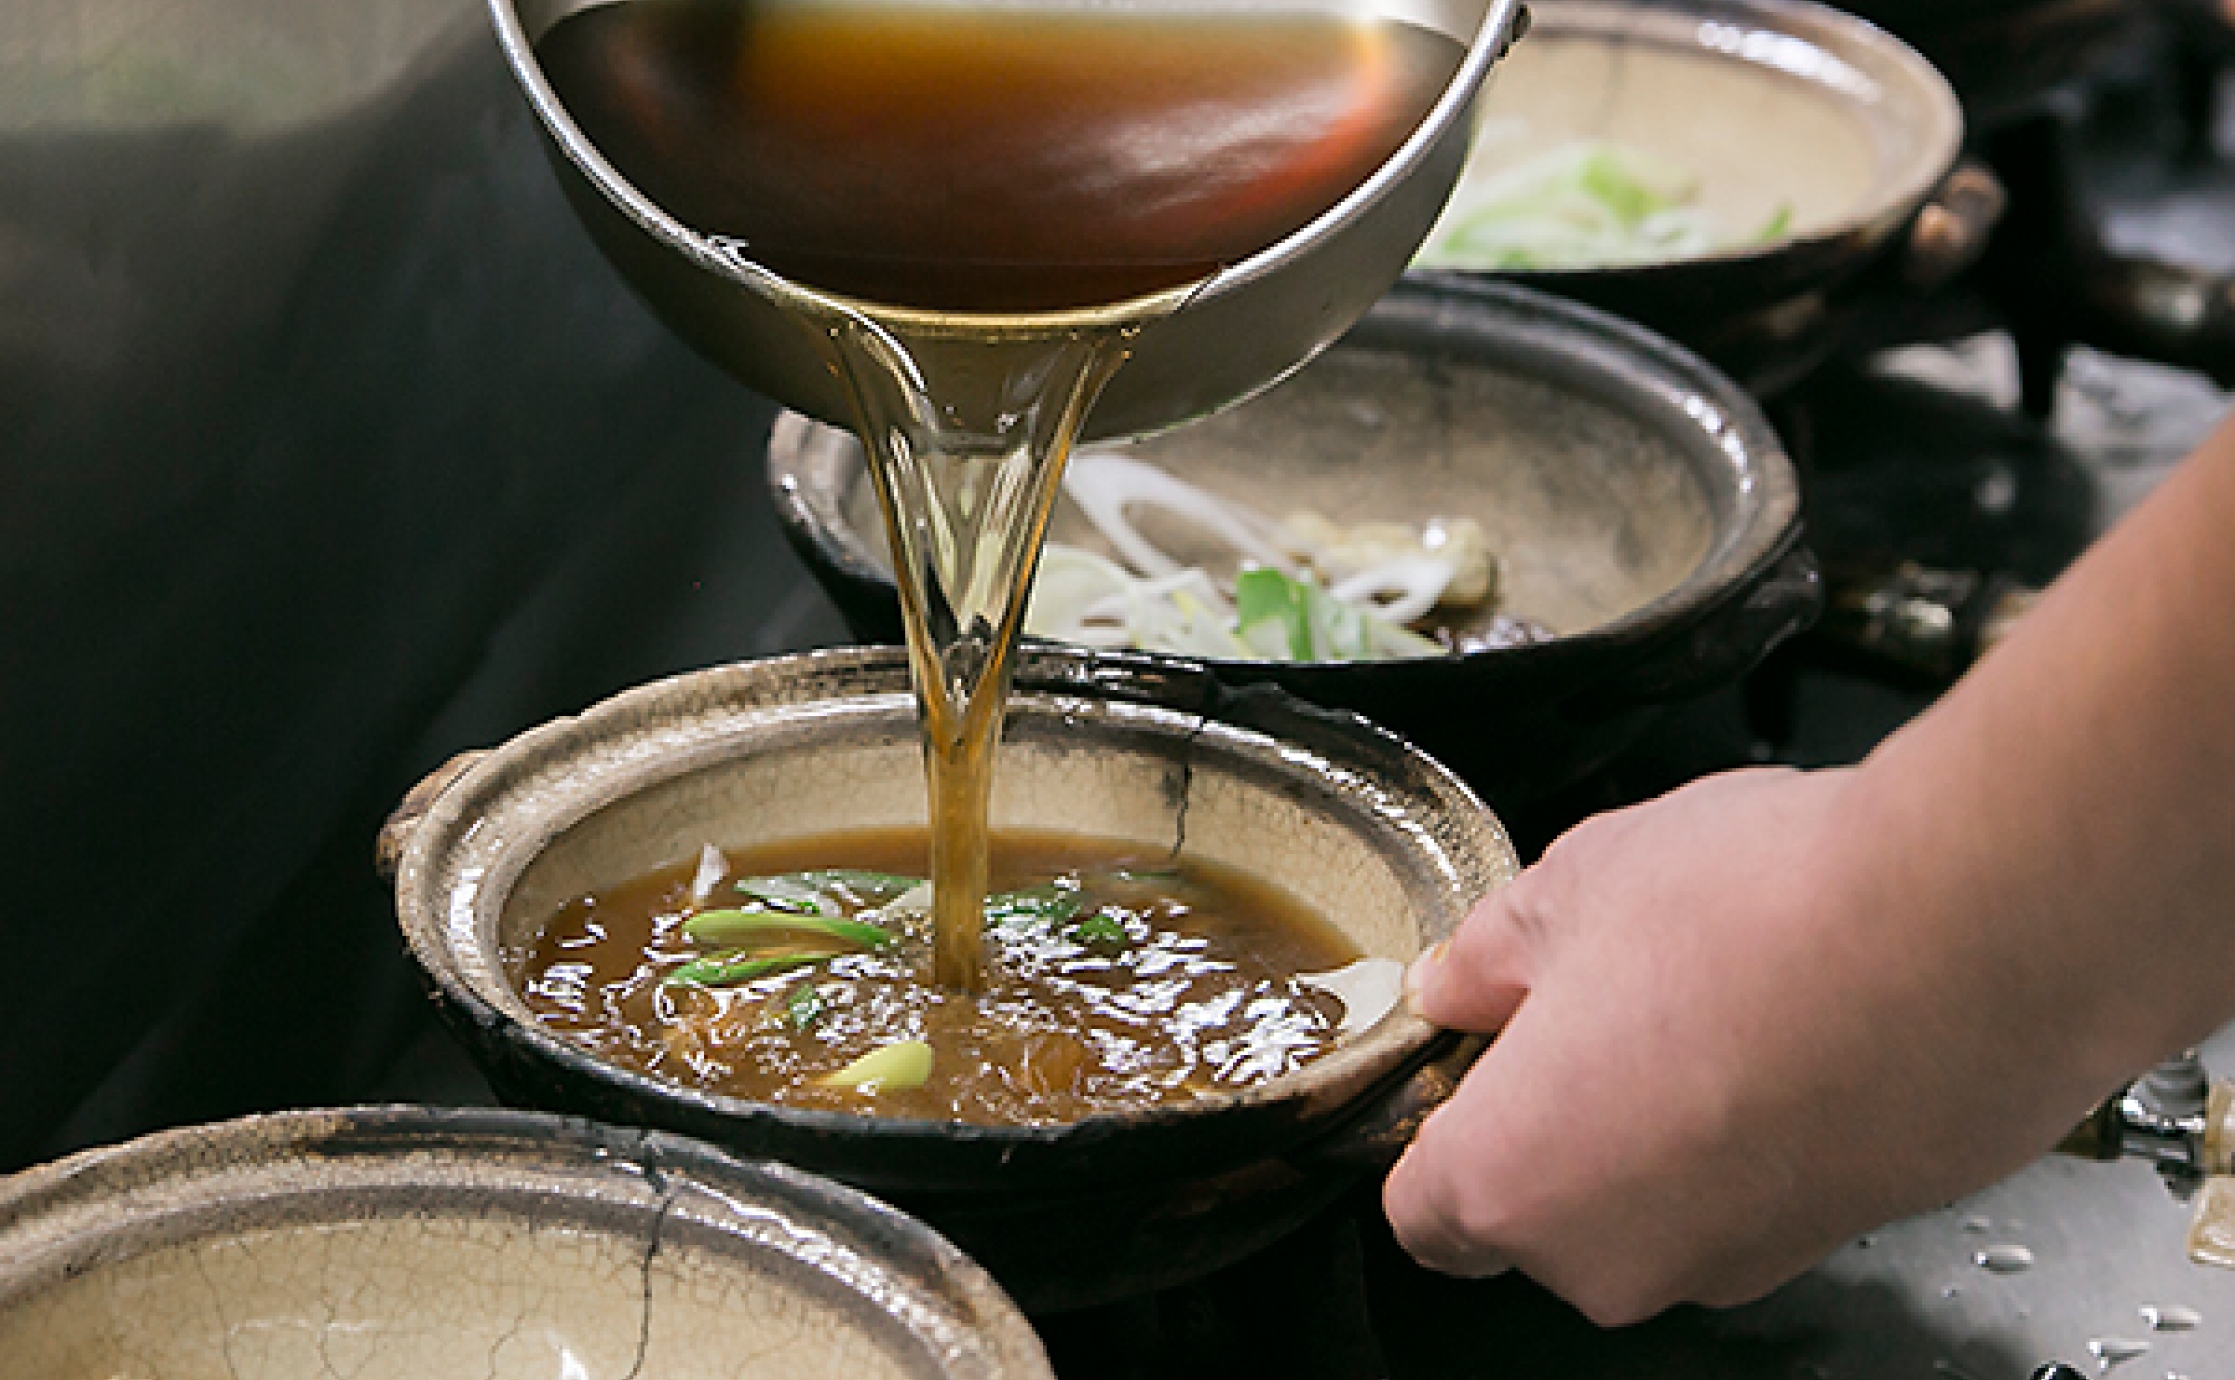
(987, 205)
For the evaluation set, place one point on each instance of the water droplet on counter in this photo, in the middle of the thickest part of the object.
(2114, 1351)
(2004, 1260)
(1996, 492)
(1978, 1226)
(2171, 1317)
(1864, 1243)
(1951, 1292)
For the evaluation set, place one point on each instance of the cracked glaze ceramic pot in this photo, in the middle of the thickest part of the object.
(1382, 841)
(1637, 503)
(408, 1243)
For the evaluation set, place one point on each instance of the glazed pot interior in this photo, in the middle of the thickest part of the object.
(1595, 508)
(416, 1244)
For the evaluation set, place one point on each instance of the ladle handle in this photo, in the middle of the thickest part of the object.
(1376, 1137)
(388, 848)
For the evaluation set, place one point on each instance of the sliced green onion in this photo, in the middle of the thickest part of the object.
(1148, 874)
(1102, 931)
(1265, 596)
(803, 1007)
(1049, 901)
(1620, 188)
(739, 927)
(1779, 222)
(1583, 204)
(906, 1064)
(789, 892)
(869, 885)
(739, 965)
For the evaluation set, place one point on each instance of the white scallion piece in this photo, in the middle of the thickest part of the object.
(903, 1064)
(712, 867)
(1107, 486)
(916, 900)
(1402, 589)
(1368, 989)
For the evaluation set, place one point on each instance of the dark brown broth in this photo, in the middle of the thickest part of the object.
(1200, 997)
(993, 159)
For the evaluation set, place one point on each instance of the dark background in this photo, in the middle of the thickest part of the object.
(328, 447)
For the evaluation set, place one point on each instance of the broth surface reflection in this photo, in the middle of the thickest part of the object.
(796, 974)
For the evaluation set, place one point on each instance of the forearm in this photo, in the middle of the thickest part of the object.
(2070, 807)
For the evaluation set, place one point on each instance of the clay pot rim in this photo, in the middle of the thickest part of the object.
(109, 1204)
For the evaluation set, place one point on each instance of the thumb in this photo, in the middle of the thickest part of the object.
(1475, 980)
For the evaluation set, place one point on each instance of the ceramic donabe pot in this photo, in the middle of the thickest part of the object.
(414, 1243)
(1635, 502)
(1390, 847)
(1787, 117)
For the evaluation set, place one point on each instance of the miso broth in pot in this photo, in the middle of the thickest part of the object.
(1118, 979)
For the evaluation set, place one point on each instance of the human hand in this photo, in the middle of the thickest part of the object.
(1730, 1041)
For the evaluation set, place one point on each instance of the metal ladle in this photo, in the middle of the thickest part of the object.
(1253, 323)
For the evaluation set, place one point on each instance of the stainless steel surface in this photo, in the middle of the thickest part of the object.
(2107, 1240)
(2163, 1118)
(1253, 322)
